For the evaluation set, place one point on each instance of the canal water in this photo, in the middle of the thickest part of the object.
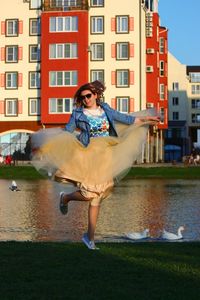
(32, 214)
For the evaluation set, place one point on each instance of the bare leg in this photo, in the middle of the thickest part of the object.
(93, 212)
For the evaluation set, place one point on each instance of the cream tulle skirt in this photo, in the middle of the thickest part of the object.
(94, 168)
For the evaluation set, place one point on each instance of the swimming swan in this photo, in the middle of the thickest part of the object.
(172, 236)
(138, 235)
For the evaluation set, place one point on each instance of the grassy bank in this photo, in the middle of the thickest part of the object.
(118, 271)
(173, 172)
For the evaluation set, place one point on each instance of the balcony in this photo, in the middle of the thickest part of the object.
(65, 5)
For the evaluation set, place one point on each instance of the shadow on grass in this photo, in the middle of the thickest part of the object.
(117, 271)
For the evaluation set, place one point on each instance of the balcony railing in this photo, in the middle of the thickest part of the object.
(65, 5)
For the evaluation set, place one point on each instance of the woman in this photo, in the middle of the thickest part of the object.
(98, 154)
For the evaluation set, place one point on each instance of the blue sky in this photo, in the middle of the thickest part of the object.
(181, 17)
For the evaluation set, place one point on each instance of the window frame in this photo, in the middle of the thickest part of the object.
(38, 53)
(119, 104)
(128, 78)
(6, 80)
(16, 48)
(38, 20)
(38, 108)
(64, 21)
(14, 100)
(37, 6)
(97, 77)
(95, 19)
(36, 80)
(63, 73)
(63, 45)
(162, 92)
(118, 44)
(17, 27)
(94, 51)
(97, 5)
(118, 24)
(71, 101)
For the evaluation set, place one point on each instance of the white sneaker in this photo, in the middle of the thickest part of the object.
(90, 244)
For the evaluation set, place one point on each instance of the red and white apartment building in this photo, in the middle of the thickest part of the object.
(50, 47)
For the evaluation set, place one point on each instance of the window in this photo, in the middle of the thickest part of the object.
(175, 86)
(162, 114)
(195, 89)
(97, 51)
(195, 77)
(162, 68)
(11, 80)
(60, 105)
(34, 80)
(162, 45)
(61, 51)
(195, 103)
(175, 115)
(97, 24)
(34, 53)
(35, 4)
(34, 106)
(63, 24)
(122, 51)
(195, 118)
(11, 107)
(12, 54)
(63, 3)
(162, 91)
(123, 104)
(12, 27)
(97, 3)
(175, 101)
(63, 78)
(122, 78)
(122, 24)
(34, 26)
(97, 75)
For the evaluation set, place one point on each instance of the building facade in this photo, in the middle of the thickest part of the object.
(58, 45)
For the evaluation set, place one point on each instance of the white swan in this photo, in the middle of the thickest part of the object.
(138, 235)
(172, 236)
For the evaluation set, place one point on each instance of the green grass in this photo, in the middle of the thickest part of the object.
(174, 172)
(118, 271)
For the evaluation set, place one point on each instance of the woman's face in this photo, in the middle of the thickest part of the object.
(89, 99)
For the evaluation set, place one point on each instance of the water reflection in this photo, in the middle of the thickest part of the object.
(33, 214)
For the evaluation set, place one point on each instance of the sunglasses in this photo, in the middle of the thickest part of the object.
(88, 96)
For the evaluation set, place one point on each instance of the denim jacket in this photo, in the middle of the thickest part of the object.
(79, 120)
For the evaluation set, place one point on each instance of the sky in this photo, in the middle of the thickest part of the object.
(181, 17)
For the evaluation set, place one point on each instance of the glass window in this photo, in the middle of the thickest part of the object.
(123, 104)
(195, 89)
(11, 80)
(11, 107)
(60, 105)
(162, 114)
(34, 26)
(34, 53)
(122, 24)
(16, 144)
(34, 80)
(195, 103)
(63, 24)
(175, 115)
(162, 68)
(162, 91)
(97, 24)
(97, 75)
(62, 51)
(175, 101)
(175, 86)
(97, 2)
(34, 106)
(122, 78)
(63, 78)
(12, 54)
(195, 77)
(122, 51)
(12, 27)
(97, 51)
(161, 45)
(35, 4)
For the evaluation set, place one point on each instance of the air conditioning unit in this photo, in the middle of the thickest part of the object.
(149, 69)
(150, 50)
(150, 105)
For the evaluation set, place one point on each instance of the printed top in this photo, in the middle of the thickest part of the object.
(99, 125)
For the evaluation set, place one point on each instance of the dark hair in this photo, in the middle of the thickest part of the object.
(96, 87)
